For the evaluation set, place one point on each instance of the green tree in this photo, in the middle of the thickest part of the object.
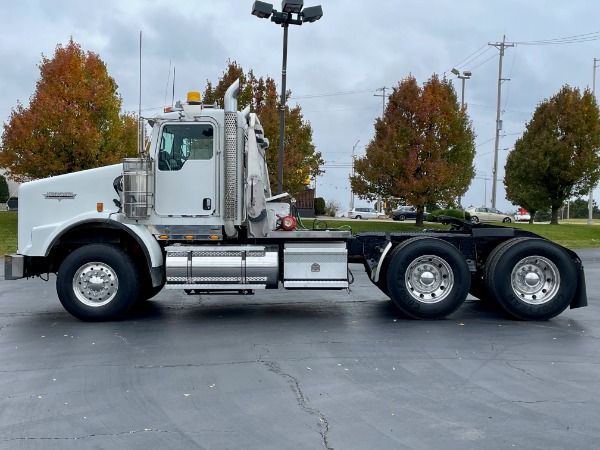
(579, 209)
(301, 160)
(73, 120)
(558, 155)
(4, 193)
(517, 182)
(423, 148)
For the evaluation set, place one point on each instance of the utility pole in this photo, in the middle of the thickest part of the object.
(382, 95)
(591, 197)
(351, 191)
(500, 46)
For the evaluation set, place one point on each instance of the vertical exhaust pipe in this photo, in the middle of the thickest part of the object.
(231, 160)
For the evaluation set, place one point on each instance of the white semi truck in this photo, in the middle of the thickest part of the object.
(196, 213)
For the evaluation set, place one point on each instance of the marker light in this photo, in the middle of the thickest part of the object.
(193, 97)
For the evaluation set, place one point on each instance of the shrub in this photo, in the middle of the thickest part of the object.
(452, 212)
(319, 206)
(4, 194)
(543, 216)
(332, 208)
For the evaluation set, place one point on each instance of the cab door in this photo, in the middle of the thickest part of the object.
(186, 169)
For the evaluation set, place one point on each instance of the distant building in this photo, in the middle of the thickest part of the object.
(305, 202)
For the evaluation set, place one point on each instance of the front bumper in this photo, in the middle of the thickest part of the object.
(14, 266)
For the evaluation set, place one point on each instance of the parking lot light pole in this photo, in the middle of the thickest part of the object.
(292, 12)
(466, 75)
(591, 197)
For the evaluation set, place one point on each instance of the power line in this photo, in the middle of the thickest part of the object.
(482, 63)
(331, 94)
(463, 63)
(587, 37)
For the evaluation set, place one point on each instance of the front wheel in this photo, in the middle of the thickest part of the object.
(402, 218)
(427, 278)
(506, 220)
(474, 219)
(98, 282)
(531, 279)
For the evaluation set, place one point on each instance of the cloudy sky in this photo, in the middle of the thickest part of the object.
(335, 66)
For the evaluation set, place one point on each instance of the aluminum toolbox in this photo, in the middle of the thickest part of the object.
(315, 265)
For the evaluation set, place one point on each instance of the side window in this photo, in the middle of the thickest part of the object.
(178, 143)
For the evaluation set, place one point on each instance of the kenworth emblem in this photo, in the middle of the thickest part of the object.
(59, 195)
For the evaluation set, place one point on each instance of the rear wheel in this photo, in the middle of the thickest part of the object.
(427, 278)
(358, 217)
(531, 279)
(98, 282)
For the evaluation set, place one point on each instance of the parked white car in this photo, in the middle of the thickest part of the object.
(522, 216)
(484, 214)
(364, 213)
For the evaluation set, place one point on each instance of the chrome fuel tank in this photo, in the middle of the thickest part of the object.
(222, 267)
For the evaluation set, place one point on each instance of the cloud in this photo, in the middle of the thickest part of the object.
(356, 46)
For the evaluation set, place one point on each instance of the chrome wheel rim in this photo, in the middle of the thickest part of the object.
(429, 279)
(535, 280)
(95, 284)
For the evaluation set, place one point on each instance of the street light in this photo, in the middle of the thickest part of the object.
(465, 76)
(285, 17)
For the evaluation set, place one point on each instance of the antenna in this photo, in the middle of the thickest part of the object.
(167, 86)
(173, 98)
(140, 124)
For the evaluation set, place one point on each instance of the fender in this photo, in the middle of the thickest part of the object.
(375, 273)
(145, 239)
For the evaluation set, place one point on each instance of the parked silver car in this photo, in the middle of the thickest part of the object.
(485, 214)
(364, 213)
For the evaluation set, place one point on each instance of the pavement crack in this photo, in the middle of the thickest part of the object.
(523, 370)
(76, 438)
(294, 384)
(89, 436)
(561, 402)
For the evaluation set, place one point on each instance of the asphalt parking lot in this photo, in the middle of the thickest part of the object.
(307, 370)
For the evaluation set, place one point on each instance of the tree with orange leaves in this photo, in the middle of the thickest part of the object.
(423, 148)
(301, 160)
(73, 120)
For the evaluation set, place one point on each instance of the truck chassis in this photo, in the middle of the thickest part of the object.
(196, 214)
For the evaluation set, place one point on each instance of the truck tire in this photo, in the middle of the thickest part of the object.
(531, 278)
(482, 286)
(98, 282)
(427, 278)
